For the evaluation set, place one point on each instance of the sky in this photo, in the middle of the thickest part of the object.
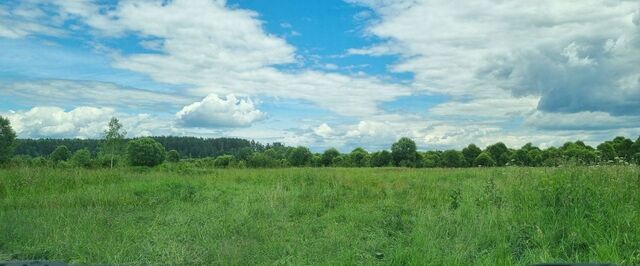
(331, 73)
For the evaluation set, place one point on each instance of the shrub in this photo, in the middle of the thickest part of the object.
(381, 159)
(300, 156)
(81, 158)
(359, 157)
(431, 159)
(224, 161)
(484, 159)
(636, 158)
(328, 156)
(40, 161)
(453, 158)
(61, 153)
(173, 156)
(145, 152)
(260, 160)
(20, 161)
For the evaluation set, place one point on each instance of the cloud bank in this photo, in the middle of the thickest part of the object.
(214, 111)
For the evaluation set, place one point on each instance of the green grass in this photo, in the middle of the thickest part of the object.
(490, 216)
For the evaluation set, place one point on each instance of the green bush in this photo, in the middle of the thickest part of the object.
(173, 156)
(484, 159)
(61, 153)
(224, 161)
(381, 159)
(359, 157)
(453, 158)
(81, 158)
(145, 152)
(328, 156)
(300, 156)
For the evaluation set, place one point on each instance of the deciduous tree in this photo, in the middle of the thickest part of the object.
(113, 140)
(404, 152)
(7, 140)
(61, 153)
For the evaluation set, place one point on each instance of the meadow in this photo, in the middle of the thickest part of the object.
(337, 216)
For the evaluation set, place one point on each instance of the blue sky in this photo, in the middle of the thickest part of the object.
(334, 73)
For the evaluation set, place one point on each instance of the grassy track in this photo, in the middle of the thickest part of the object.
(322, 216)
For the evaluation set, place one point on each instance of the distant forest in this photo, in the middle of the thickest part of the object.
(187, 147)
(235, 152)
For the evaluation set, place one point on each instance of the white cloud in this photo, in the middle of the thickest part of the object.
(323, 130)
(580, 121)
(84, 122)
(23, 20)
(213, 48)
(476, 49)
(572, 53)
(497, 107)
(81, 122)
(515, 71)
(66, 92)
(214, 111)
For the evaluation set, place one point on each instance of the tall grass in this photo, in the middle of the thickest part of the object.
(303, 216)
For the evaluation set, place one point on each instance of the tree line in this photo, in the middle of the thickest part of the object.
(116, 150)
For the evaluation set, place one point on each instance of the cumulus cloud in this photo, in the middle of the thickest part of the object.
(214, 111)
(196, 47)
(84, 122)
(40, 122)
(575, 56)
(513, 71)
(323, 130)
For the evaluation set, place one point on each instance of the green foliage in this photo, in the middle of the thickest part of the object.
(224, 161)
(7, 140)
(263, 160)
(114, 143)
(81, 158)
(470, 153)
(403, 152)
(453, 158)
(299, 156)
(484, 159)
(40, 161)
(521, 157)
(61, 153)
(499, 153)
(536, 157)
(607, 152)
(359, 157)
(341, 161)
(255, 155)
(328, 156)
(381, 159)
(636, 158)
(579, 153)
(173, 156)
(145, 152)
(623, 147)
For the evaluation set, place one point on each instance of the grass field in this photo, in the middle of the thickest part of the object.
(322, 216)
